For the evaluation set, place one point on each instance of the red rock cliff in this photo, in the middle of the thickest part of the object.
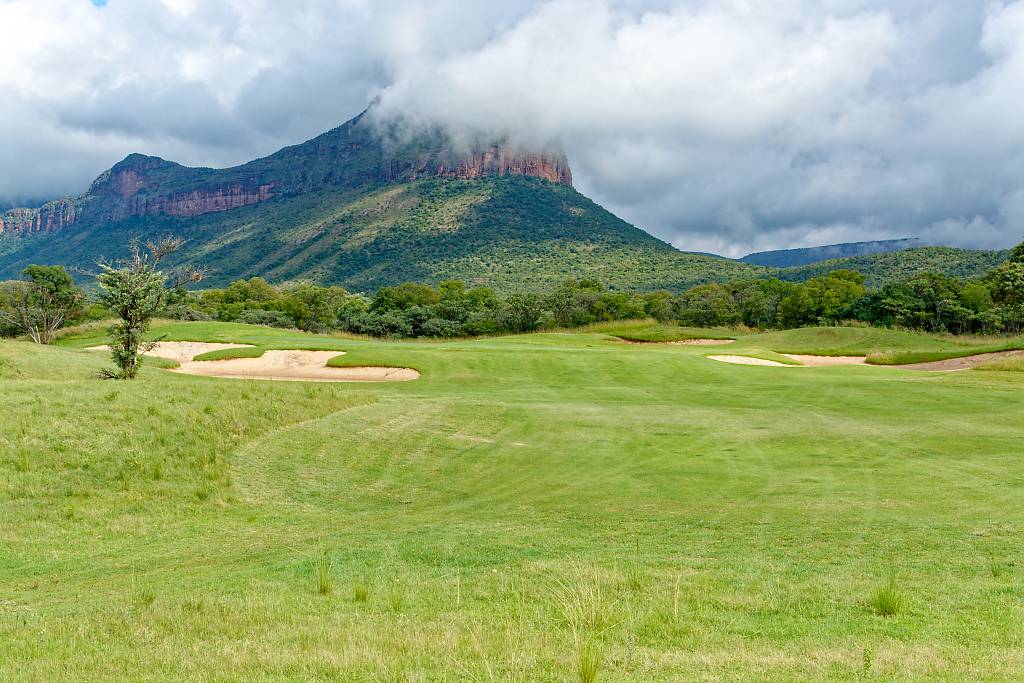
(501, 161)
(51, 216)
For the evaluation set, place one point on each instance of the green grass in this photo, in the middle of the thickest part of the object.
(551, 507)
(653, 331)
(227, 354)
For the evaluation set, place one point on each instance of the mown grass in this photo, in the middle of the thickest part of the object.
(227, 354)
(549, 507)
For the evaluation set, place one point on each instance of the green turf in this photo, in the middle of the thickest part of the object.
(531, 507)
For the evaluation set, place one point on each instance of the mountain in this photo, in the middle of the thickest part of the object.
(882, 268)
(364, 205)
(785, 258)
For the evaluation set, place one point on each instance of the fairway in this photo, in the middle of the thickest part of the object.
(530, 508)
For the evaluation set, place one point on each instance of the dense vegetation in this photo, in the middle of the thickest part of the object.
(991, 304)
(511, 234)
(888, 268)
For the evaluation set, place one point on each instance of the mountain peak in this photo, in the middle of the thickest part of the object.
(360, 152)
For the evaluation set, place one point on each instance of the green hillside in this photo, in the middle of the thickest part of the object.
(881, 269)
(785, 258)
(511, 233)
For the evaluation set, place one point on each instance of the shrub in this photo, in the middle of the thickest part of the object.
(259, 316)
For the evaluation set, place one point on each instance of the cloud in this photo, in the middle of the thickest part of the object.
(719, 125)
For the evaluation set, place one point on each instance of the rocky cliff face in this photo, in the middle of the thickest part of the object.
(49, 217)
(498, 160)
(352, 155)
(128, 202)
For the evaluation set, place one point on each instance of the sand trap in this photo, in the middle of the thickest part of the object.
(824, 361)
(747, 360)
(183, 352)
(948, 365)
(703, 342)
(288, 366)
(681, 342)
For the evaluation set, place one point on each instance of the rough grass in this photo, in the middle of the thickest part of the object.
(912, 356)
(531, 498)
(1013, 364)
(652, 331)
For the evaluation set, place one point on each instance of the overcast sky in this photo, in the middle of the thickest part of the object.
(726, 126)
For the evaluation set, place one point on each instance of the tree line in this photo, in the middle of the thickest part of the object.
(47, 299)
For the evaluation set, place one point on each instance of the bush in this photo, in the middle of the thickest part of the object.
(259, 316)
(440, 327)
(183, 312)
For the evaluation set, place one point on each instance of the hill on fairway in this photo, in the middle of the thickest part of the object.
(530, 507)
(363, 206)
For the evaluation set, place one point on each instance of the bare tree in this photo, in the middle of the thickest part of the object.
(41, 303)
(135, 290)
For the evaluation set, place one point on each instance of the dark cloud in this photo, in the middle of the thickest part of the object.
(720, 125)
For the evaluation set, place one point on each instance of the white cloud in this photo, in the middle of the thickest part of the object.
(720, 125)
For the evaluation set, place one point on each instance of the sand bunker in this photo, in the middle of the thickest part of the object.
(293, 366)
(747, 360)
(948, 365)
(183, 352)
(703, 342)
(824, 361)
(681, 342)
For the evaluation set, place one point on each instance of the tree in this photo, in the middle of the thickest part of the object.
(1017, 253)
(708, 306)
(135, 291)
(42, 303)
(833, 294)
(1007, 283)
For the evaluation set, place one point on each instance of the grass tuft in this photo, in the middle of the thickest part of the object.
(361, 591)
(145, 598)
(887, 600)
(583, 603)
(588, 661)
(323, 570)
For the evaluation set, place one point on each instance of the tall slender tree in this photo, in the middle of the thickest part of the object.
(135, 290)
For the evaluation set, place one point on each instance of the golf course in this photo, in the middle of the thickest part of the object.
(560, 506)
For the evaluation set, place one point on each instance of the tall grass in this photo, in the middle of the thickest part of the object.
(888, 600)
(323, 571)
(588, 661)
(361, 590)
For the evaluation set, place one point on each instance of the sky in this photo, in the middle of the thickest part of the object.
(726, 126)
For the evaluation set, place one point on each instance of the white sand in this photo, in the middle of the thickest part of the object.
(823, 361)
(747, 360)
(183, 352)
(703, 342)
(293, 366)
(805, 361)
